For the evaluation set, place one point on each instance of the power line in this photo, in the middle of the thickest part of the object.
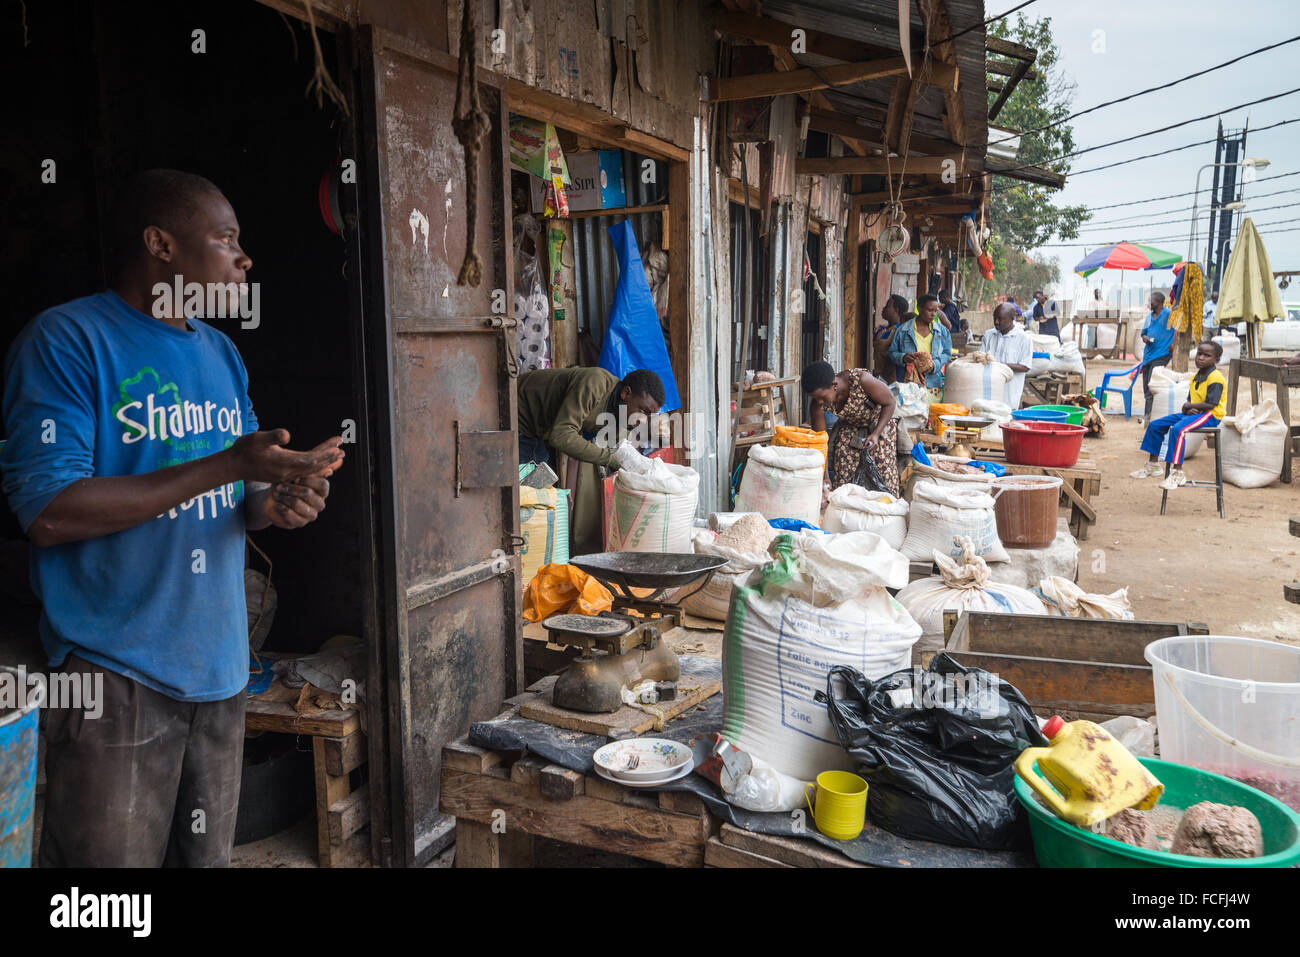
(976, 26)
(1190, 192)
(1142, 218)
(1168, 239)
(1094, 169)
(1152, 89)
(1188, 219)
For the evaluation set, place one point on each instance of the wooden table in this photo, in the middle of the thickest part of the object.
(1048, 388)
(1259, 371)
(1116, 351)
(338, 750)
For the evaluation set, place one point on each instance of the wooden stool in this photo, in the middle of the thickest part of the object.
(1217, 484)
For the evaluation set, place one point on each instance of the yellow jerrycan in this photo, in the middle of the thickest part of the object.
(1094, 775)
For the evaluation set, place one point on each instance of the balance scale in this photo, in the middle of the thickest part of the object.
(621, 649)
(963, 429)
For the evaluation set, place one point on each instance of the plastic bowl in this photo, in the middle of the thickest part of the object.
(1039, 414)
(1048, 444)
(1060, 844)
(660, 758)
(1073, 413)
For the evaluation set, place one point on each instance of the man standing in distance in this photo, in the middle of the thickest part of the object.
(134, 464)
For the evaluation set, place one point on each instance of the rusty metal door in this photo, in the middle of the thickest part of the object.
(447, 465)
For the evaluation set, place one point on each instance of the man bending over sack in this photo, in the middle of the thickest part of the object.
(1207, 401)
(584, 413)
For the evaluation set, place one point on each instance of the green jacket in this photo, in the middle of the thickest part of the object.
(558, 405)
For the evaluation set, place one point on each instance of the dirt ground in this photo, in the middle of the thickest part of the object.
(1188, 564)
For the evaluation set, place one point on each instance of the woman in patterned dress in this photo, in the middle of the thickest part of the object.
(864, 440)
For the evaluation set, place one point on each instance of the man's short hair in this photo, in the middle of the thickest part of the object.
(644, 382)
(166, 198)
(817, 376)
(1158, 296)
(1038, 293)
(1218, 349)
(1000, 307)
(899, 304)
(922, 300)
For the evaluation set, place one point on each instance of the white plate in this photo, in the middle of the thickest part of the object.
(660, 759)
(685, 770)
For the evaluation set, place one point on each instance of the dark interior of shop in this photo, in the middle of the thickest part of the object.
(105, 93)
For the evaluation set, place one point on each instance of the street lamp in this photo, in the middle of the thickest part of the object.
(1253, 162)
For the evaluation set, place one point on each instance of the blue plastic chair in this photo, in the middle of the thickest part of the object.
(1129, 374)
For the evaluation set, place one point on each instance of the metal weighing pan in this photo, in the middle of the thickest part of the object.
(657, 570)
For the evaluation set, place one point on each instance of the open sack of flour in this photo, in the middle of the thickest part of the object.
(744, 545)
(782, 482)
(853, 508)
(654, 508)
(1065, 598)
(963, 584)
(942, 514)
(974, 378)
(820, 602)
(1254, 445)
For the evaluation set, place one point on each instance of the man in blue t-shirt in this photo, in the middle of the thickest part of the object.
(1158, 340)
(134, 464)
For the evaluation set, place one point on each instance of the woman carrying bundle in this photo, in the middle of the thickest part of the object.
(864, 440)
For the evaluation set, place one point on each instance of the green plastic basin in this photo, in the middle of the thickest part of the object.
(1073, 413)
(1059, 844)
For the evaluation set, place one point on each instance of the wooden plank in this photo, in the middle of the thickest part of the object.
(330, 790)
(527, 770)
(677, 242)
(561, 784)
(463, 756)
(804, 79)
(345, 754)
(273, 711)
(349, 815)
(476, 845)
(1052, 636)
(717, 854)
(1044, 681)
(590, 120)
(879, 166)
(646, 833)
(625, 721)
(682, 802)
(791, 851)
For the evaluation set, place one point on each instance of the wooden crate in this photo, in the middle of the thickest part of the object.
(1075, 667)
(762, 408)
(502, 801)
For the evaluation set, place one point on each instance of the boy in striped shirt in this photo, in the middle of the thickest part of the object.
(1206, 402)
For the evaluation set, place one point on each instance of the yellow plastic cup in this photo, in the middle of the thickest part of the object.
(841, 807)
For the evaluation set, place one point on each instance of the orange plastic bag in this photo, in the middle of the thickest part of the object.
(944, 408)
(795, 437)
(564, 588)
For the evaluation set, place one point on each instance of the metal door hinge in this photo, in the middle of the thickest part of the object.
(507, 325)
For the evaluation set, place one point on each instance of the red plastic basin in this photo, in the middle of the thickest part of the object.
(1051, 444)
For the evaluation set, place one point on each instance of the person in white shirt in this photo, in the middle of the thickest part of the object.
(1211, 306)
(1008, 343)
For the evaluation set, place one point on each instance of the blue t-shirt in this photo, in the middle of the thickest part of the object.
(1161, 334)
(96, 388)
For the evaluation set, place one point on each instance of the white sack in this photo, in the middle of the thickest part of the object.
(942, 514)
(654, 509)
(992, 409)
(1254, 444)
(853, 508)
(1066, 357)
(1065, 598)
(974, 378)
(782, 482)
(714, 599)
(821, 603)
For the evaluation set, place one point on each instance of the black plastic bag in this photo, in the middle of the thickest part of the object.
(939, 767)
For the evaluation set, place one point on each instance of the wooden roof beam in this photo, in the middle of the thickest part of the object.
(805, 79)
(879, 165)
(779, 33)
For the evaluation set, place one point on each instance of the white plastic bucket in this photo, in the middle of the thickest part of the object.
(1231, 705)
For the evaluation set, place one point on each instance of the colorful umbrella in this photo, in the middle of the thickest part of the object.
(1126, 256)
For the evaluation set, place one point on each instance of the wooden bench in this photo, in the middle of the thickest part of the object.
(339, 755)
(1048, 388)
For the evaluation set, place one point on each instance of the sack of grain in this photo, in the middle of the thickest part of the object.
(853, 508)
(963, 584)
(942, 514)
(544, 527)
(744, 545)
(654, 509)
(1254, 444)
(821, 602)
(974, 378)
(1000, 412)
(1066, 357)
(782, 483)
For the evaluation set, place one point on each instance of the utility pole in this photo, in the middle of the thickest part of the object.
(1234, 148)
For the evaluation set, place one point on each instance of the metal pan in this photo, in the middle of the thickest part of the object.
(658, 570)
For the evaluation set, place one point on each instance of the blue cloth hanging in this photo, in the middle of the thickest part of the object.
(633, 337)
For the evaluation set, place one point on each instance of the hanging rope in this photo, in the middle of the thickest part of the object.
(471, 126)
(321, 80)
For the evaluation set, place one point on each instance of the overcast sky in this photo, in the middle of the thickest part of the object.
(1148, 43)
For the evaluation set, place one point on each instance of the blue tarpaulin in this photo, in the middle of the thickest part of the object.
(633, 337)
